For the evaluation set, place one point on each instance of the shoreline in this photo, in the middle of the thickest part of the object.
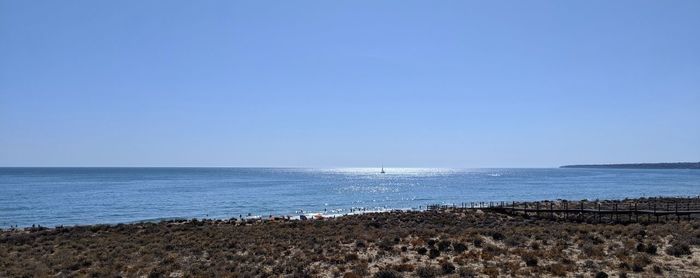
(449, 242)
(321, 214)
(154, 194)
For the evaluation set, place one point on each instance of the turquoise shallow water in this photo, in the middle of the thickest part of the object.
(70, 196)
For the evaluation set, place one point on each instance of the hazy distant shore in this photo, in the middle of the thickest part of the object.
(447, 242)
(676, 165)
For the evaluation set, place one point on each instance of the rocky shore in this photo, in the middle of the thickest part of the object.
(436, 243)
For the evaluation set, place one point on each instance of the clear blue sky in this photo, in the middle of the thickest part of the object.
(348, 83)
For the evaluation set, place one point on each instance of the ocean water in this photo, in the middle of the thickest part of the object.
(76, 196)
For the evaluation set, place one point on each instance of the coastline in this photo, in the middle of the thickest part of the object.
(451, 242)
(126, 195)
(336, 213)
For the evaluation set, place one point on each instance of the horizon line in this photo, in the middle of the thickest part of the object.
(291, 167)
(335, 167)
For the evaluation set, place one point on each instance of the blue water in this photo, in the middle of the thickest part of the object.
(70, 196)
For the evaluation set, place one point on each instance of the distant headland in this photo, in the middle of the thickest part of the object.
(674, 165)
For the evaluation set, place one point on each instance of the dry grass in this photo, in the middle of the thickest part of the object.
(449, 243)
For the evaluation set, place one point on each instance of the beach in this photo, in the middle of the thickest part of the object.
(447, 242)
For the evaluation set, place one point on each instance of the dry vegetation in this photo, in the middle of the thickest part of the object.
(448, 243)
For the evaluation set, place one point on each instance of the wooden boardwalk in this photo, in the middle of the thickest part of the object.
(653, 209)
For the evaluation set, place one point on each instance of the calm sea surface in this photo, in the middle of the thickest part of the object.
(70, 196)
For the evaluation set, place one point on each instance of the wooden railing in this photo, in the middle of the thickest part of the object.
(649, 209)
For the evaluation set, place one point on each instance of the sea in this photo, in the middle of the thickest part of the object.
(84, 196)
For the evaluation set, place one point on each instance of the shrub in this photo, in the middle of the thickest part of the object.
(647, 248)
(493, 250)
(651, 249)
(386, 244)
(529, 259)
(491, 271)
(459, 247)
(404, 268)
(387, 273)
(589, 264)
(515, 240)
(636, 264)
(351, 257)
(434, 253)
(678, 249)
(601, 274)
(427, 272)
(447, 268)
(443, 245)
(497, 236)
(422, 251)
(467, 272)
(592, 250)
(361, 269)
(558, 269)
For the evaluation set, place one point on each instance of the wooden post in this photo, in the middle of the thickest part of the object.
(525, 211)
(657, 216)
(551, 213)
(629, 216)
